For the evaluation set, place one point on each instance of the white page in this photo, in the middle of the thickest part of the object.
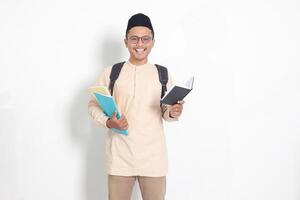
(189, 83)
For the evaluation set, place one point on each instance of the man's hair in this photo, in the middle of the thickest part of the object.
(139, 19)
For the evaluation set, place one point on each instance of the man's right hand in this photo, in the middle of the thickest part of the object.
(120, 124)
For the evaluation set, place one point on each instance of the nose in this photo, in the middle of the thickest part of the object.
(140, 42)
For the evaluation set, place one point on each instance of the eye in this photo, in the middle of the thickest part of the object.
(146, 39)
(133, 38)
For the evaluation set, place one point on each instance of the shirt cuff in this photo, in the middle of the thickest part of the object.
(97, 114)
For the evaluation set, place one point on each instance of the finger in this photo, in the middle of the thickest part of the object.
(124, 126)
(174, 114)
(178, 114)
(174, 109)
(123, 123)
(123, 119)
(114, 115)
(178, 106)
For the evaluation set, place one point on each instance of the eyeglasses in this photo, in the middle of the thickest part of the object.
(135, 39)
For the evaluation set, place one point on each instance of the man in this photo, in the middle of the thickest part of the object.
(142, 154)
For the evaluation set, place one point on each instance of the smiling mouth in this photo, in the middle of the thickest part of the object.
(140, 51)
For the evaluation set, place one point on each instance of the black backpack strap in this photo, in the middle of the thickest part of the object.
(114, 74)
(163, 78)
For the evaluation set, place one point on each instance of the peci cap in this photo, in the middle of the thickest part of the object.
(139, 20)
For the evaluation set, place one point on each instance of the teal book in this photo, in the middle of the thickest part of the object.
(109, 106)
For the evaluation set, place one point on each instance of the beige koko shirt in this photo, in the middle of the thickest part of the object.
(137, 92)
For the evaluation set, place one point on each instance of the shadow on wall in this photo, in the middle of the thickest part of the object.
(91, 140)
(90, 137)
(111, 51)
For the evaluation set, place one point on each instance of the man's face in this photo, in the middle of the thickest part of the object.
(139, 42)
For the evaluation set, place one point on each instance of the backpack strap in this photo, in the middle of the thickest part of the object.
(162, 73)
(114, 74)
(163, 78)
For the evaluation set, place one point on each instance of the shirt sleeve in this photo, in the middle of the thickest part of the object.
(165, 109)
(94, 110)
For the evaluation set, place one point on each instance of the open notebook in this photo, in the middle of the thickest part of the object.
(178, 92)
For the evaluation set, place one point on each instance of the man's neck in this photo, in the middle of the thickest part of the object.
(138, 62)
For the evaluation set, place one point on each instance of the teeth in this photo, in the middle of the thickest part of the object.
(140, 50)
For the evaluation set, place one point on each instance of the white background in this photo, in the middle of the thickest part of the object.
(239, 135)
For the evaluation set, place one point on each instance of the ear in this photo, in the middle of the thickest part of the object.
(126, 42)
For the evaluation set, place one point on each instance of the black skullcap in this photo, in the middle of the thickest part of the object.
(139, 20)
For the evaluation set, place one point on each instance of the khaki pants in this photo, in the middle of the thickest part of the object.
(152, 188)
